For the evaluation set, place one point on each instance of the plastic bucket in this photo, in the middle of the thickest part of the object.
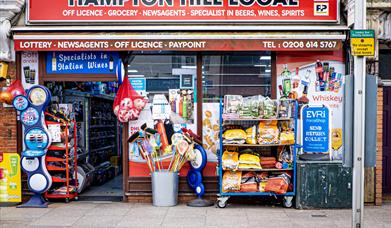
(164, 189)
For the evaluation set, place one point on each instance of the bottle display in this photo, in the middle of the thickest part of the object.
(54, 62)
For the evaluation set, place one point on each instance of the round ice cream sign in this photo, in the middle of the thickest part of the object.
(316, 129)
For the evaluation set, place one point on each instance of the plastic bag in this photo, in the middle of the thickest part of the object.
(268, 132)
(249, 182)
(287, 137)
(128, 103)
(268, 109)
(231, 181)
(249, 159)
(230, 160)
(16, 88)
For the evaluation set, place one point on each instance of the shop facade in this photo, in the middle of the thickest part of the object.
(206, 49)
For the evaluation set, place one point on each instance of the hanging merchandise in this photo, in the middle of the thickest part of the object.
(128, 103)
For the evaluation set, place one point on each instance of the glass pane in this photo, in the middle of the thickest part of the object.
(241, 73)
(170, 80)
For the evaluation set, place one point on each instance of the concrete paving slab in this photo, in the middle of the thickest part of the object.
(192, 221)
(98, 221)
(56, 220)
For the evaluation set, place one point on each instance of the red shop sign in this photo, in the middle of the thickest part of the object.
(178, 45)
(122, 11)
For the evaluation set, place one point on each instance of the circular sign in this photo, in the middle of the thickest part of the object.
(36, 139)
(30, 165)
(20, 103)
(37, 96)
(38, 182)
(30, 116)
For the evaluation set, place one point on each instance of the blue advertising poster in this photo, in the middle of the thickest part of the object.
(139, 84)
(316, 129)
(81, 62)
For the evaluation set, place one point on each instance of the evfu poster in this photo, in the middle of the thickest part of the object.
(315, 78)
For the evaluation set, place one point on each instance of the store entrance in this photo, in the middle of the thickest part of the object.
(98, 137)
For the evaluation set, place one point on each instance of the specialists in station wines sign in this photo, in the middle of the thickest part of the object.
(126, 11)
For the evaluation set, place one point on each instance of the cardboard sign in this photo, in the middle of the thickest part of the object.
(316, 129)
(160, 11)
(10, 180)
(362, 42)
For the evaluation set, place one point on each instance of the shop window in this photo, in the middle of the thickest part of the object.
(241, 73)
(384, 66)
(163, 71)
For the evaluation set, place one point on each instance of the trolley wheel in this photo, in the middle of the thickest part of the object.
(221, 203)
(287, 201)
(66, 200)
(76, 198)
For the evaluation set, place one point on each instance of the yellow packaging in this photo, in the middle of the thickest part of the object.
(3, 69)
(251, 135)
(235, 134)
(230, 160)
(287, 137)
(249, 159)
(268, 132)
(262, 186)
(231, 181)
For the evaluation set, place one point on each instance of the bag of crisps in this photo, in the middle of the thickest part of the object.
(268, 132)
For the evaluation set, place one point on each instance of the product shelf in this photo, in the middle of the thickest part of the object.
(257, 145)
(54, 168)
(256, 194)
(260, 170)
(102, 126)
(58, 180)
(54, 159)
(288, 196)
(102, 137)
(68, 163)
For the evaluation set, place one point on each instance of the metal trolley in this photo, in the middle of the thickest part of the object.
(223, 197)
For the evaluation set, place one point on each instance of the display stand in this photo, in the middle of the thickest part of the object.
(62, 156)
(288, 196)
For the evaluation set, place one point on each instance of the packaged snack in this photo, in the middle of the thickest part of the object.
(234, 134)
(268, 109)
(231, 181)
(230, 160)
(278, 184)
(249, 182)
(249, 161)
(249, 108)
(268, 162)
(251, 135)
(268, 132)
(285, 109)
(285, 155)
(232, 104)
(287, 137)
(262, 185)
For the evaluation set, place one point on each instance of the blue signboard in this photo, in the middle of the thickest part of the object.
(138, 84)
(81, 62)
(316, 129)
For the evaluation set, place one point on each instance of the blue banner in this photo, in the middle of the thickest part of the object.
(81, 62)
(316, 129)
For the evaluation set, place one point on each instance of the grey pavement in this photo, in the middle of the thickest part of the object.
(117, 214)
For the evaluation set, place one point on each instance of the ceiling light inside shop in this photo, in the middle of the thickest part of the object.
(136, 76)
(132, 71)
(268, 71)
(265, 58)
(188, 67)
(258, 65)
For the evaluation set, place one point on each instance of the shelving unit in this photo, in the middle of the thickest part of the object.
(64, 169)
(288, 196)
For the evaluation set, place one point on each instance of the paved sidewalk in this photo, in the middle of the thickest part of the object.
(108, 214)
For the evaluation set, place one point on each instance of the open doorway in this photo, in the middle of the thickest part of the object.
(98, 137)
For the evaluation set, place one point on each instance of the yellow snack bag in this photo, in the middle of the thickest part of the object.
(268, 132)
(230, 160)
(287, 137)
(251, 135)
(231, 181)
(249, 159)
(234, 134)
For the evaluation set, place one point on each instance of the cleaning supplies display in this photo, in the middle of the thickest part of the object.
(259, 148)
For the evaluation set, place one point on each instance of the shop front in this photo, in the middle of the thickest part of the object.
(193, 54)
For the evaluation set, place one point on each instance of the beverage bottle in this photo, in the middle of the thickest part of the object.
(54, 62)
(8, 80)
(296, 79)
(184, 111)
(111, 63)
(306, 80)
(286, 83)
(181, 106)
(4, 185)
(319, 70)
(304, 99)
